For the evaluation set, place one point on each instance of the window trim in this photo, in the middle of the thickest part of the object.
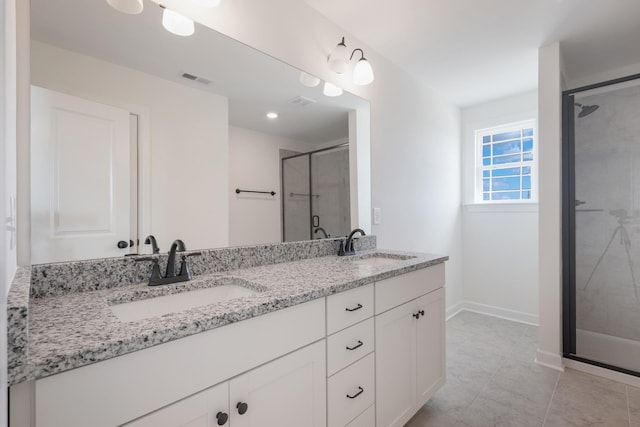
(478, 166)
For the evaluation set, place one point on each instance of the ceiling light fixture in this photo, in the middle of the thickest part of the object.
(207, 3)
(132, 7)
(331, 90)
(177, 24)
(308, 80)
(271, 115)
(339, 63)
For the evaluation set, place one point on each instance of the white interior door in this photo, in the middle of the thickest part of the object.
(80, 178)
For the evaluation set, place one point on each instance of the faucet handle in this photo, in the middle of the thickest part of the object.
(341, 250)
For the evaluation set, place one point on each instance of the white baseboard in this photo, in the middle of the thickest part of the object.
(490, 310)
(603, 372)
(550, 360)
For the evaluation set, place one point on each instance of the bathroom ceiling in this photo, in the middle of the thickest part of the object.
(473, 51)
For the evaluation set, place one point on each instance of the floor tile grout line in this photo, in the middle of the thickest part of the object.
(553, 395)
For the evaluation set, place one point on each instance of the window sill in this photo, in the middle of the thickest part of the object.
(502, 207)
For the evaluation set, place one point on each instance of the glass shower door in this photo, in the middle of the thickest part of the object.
(604, 131)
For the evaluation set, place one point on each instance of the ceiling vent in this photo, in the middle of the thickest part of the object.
(195, 78)
(301, 101)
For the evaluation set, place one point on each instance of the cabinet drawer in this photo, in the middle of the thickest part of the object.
(348, 308)
(349, 345)
(366, 419)
(398, 290)
(350, 392)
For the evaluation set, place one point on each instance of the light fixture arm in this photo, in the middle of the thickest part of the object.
(354, 51)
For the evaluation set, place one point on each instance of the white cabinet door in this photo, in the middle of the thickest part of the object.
(288, 392)
(209, 408)
(430, 339)
(396, 365)
(80, 178)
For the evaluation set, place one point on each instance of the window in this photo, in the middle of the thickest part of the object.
(506, 163)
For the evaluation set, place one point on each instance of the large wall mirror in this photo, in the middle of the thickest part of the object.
(136, 131)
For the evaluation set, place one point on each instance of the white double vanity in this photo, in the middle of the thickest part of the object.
(321, 341)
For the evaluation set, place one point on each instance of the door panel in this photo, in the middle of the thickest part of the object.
(430, 339)
(395, 365)
(80, 178)
(288, 392)
(199, 410)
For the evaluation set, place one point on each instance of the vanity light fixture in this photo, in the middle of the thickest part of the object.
(339, 63)
(177, 24)
(362, 72)
(308, 80)
(132, 7)
(339, 59)
(272, 115)
(331, 90)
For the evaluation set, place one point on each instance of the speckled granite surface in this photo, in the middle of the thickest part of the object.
(91, 275)
(76, 329)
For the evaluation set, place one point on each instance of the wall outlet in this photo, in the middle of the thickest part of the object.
(376, 216)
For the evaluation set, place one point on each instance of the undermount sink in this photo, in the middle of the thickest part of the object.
(380, 259)
(176, 302)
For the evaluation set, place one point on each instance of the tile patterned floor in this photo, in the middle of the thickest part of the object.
(493, 381)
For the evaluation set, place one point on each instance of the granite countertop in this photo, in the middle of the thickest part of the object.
(77, 329)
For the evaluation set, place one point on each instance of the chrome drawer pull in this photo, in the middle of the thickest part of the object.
(356, 346)
(357, 394)
(357, 307)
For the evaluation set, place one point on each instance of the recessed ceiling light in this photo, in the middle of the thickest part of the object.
(271, 115)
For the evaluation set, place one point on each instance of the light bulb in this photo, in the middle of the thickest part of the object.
(339, 58)
(207, 3)
(331, 90)
(177, 24)
(272, 115)
(308, 80)
(132, 7)
(362, 73)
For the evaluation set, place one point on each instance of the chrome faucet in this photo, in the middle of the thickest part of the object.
(170, 275)
(323, 232)
(347, 248)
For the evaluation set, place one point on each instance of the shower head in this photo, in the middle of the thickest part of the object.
(586, 109)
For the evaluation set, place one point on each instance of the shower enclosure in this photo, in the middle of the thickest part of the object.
(315, 194)
(601, 224)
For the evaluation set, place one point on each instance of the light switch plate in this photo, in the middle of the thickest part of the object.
(376, 216)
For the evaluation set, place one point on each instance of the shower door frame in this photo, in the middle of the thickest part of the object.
(569, 325)
(309, 154)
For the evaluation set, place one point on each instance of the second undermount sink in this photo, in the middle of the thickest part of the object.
(381, 259)
(176, 302)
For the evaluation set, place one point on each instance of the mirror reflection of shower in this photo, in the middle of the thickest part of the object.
(586, 109)
(316, 194)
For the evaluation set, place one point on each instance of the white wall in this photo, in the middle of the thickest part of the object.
(7, 179)
(415, 134)
(500, 242)
(254, 164)
(185, 128)
(550, 86)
